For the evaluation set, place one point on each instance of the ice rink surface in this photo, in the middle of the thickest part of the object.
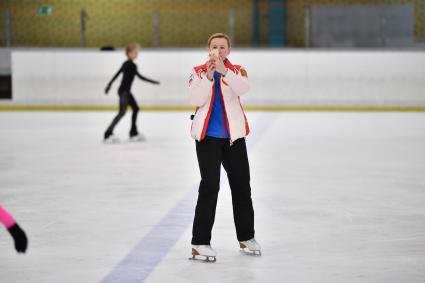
(338, 197)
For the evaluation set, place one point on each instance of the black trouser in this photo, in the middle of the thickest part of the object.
(212, 152)
(126, 99)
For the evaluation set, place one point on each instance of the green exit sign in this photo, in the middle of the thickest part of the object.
(45, 10)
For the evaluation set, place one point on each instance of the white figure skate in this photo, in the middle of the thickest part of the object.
(250, 247)
(112, 139)
(203, 253)
(138, 138)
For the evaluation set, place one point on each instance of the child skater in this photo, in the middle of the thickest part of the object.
(18, 235)
(129, 70)
(219, 127)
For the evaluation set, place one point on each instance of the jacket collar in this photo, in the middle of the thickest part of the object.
(227, 63)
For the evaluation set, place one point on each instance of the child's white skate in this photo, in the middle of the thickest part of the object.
(112, 139)
(250, 247)
(203, 253)
(138, 138)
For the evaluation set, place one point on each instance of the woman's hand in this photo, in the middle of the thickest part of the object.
(220, 67)
(20, 238)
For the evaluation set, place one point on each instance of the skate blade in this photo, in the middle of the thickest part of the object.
(251, 253)
(138, 139)
(196, 256)
(207, 259)
(112, 141)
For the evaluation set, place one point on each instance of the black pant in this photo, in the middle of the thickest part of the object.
(126, 99)
(212, 152)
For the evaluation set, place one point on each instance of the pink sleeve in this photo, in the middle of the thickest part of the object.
(6, 218)
(200, 89)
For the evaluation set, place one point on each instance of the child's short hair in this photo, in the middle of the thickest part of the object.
(131, 46)
(219, 35)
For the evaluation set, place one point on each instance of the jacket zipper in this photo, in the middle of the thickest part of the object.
(225, 114)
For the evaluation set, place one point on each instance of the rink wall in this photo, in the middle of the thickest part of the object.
(279, 78)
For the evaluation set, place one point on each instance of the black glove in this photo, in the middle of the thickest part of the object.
(108, 87)
(20, 238)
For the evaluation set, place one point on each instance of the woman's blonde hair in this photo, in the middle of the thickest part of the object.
(131, 46)
(219, 35)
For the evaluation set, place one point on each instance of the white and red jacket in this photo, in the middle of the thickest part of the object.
(201, 95)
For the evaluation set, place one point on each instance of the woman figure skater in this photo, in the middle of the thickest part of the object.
(219, 127)
(18, 235)
(129, 70)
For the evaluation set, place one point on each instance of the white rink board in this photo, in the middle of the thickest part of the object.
(278, 77)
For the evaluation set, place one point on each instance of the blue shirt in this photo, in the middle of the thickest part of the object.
(217, 125)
